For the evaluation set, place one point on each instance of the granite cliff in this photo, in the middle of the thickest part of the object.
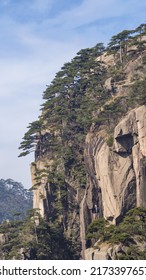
(120, 170)
(89, 142)
(116, 177)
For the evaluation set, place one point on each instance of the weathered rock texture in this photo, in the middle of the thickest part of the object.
(120, 171)
(105, 252)
(44, 199)
(116, 180)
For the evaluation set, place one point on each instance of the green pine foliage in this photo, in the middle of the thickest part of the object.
(138, 93)
(71, 99)
(77, 93)
(26, 240)
(130, 232)
(75, 102)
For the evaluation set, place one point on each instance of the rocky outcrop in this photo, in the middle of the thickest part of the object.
(120, 170)
(40, 194)
(133, 129)
(46, 202)
(104, 252)
(116, 180)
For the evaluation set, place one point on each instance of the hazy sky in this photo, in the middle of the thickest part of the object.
(36, 38)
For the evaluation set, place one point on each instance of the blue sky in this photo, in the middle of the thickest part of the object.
(36, 38)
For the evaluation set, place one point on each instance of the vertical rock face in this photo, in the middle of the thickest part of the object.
(116, 178)
(130, 137)
(120, 171)
(46, 201)
(40, 195)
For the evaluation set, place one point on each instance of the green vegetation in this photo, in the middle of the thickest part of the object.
(120, 43)
(26, 240)
(130, 232)
(68, 112)
(31, 137)
(110, 140)
(78, 101)
(14, 200)
(77, 93)
(71, 99)
(138, 93)
(74, 99)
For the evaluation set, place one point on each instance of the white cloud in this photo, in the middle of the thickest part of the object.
(87, 12)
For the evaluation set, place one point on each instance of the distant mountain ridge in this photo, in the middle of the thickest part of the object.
(14, 199)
